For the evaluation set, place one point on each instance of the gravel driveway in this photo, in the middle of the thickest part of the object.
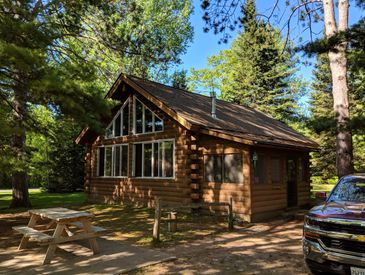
(264, 248)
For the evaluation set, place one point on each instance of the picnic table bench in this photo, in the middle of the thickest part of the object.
(67, 226)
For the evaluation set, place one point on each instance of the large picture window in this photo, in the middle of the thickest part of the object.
(145, 121)
(120, 123)
(223, 168)
(113, 161)
(154, 159)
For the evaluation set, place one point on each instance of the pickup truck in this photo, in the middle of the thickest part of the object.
(334, 231)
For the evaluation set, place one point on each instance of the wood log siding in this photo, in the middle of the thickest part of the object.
(194, 162)
(88, 168)
(214, 191)
(267, 197)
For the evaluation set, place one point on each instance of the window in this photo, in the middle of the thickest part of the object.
(158, 124)
(108, 162)
(213, 168)
(120, 123)
(154, 159)
(138, 160)
(259, 169)
(125, 121)
(113, 161)
(145, 121)
(276, 171)
(147, 167)
(167, 151)
(101, 156)
(138, 117)
(148, 117)
(233, 168)
(227, 168)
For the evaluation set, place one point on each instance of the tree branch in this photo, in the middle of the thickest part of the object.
(294, 10)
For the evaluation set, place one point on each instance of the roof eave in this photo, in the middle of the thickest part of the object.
(252, 141)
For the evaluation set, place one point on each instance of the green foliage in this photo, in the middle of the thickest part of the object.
(323, 162)
(179, 79)
(256, 71)
(63, 55)
(323, 126)
(66, 158)
(146, 39)
(6, 159)
(55, 161)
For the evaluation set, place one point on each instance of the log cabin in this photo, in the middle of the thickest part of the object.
(185, 147)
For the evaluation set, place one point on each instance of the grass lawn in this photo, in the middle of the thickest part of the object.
(41, 199)
(322, 187)
(128, 223)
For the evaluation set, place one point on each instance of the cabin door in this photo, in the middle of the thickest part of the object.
(292, 192)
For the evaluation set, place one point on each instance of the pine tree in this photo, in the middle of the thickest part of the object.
(262, 73)
(321, 122)
(256, 71)
(323, 162)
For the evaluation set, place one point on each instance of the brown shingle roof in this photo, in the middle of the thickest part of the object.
(232, 119)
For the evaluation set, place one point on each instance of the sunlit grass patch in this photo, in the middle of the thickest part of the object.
(42, 199)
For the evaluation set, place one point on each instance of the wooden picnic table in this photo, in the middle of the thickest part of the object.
(67, 225)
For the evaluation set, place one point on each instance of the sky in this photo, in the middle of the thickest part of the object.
(206, 44)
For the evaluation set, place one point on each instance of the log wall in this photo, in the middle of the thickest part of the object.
(221, 191)
(268, 198)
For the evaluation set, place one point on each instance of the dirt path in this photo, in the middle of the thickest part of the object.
(265, 248)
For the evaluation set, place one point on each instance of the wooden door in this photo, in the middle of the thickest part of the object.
(291, 172)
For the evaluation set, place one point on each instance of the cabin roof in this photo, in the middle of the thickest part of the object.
(233, 121)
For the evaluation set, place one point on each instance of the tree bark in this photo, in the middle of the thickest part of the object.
(20, 196)
(338, 65)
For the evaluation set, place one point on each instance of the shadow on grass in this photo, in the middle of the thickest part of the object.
(134, 224)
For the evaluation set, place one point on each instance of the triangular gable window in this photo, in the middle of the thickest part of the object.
(145, 121)
(120, 123)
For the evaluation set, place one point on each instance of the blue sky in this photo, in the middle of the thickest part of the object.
(206, 44)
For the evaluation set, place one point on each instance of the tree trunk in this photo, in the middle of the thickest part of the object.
(338, 65)
(19, 178)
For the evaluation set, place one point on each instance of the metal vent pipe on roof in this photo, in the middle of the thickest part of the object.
(213, 99)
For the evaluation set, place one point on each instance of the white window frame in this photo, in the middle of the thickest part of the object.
(113, 159)
(112, 123)
(153, 159)
(143, 119)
